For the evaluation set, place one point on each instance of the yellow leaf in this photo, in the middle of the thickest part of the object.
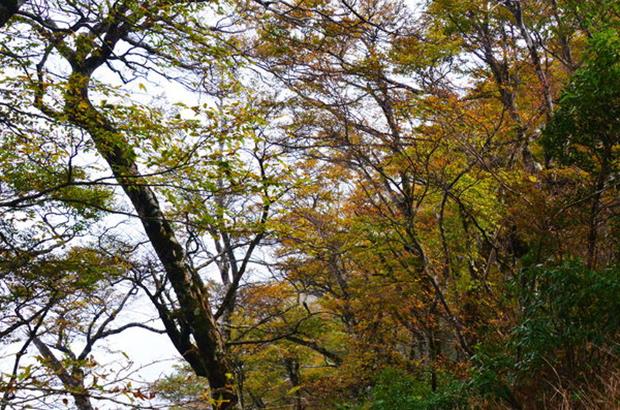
(293, 390)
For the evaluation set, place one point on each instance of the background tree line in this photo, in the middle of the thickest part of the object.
(325, 203)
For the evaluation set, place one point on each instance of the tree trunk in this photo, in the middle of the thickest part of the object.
(515, 8)
(595, 209)
(192, 295)
(73, 385)
(7, 9)
(292, 370)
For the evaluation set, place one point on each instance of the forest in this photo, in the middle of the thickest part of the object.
(310, 204)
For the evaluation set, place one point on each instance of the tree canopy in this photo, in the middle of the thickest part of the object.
(320, 204)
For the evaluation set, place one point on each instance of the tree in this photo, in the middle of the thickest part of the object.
(93, 48)
(348, 203)
(585, 131)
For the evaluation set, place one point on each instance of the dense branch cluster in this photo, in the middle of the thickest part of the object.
(320, 204)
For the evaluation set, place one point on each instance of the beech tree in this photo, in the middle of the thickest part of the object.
(328, 204)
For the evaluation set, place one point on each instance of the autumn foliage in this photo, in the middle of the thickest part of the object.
(326, 204)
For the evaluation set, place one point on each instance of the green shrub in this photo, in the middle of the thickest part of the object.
(397, 390)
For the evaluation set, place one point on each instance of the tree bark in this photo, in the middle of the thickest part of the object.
(8, 8)
(515, 8)
(73, 385)
(191, 292)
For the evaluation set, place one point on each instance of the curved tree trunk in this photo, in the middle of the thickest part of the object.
(208, 349)
(191, 292)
